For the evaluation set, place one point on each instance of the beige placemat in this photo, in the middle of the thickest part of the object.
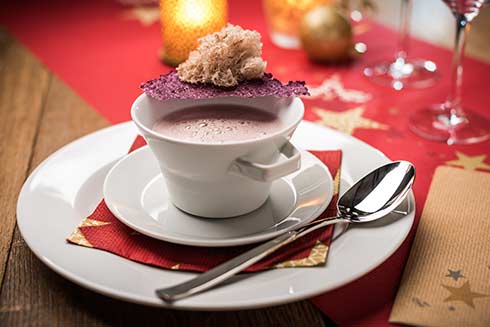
(447, 278)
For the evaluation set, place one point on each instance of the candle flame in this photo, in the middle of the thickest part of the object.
(194, 12)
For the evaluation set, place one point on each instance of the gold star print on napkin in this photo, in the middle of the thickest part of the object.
(446, 278)
(463, 294)
(146, 15)
(77, 236)
(455, 274)
(469, 162)
(347, 121)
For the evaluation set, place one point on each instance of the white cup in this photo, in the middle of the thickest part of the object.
(221, 180)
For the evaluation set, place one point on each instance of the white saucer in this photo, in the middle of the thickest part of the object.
(135, 192)
(67, 187)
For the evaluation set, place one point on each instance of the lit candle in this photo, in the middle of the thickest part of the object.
(184, 21)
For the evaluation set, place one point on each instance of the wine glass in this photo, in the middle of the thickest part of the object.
(448, 122)
(401, 71)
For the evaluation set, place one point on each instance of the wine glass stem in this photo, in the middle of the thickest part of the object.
(406, 9)
(453, 101)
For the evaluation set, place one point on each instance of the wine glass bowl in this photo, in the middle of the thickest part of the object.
(469, 8)
(449, 122)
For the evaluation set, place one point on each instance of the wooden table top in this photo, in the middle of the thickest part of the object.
(40, 113)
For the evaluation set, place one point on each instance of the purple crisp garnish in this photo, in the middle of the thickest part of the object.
(169, 86)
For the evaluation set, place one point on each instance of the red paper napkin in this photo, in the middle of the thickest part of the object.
(102, 230)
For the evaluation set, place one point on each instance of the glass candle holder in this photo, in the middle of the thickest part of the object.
(185, 21)
(283, 18)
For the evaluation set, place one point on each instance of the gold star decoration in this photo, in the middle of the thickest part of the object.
(421, 303)
(463, 294)
(361, 28)
(316, 257)
(469, 162)
(393, 111)
(333, 88)
(145, 15)
(347, 121)
(77, 236)
(336, 183)
(281, 69)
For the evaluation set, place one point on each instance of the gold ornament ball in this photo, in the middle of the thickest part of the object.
(326, 34)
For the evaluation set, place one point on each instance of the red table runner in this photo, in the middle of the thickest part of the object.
(104, 51)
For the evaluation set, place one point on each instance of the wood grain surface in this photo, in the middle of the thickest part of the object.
(23, 87)
(39, 114)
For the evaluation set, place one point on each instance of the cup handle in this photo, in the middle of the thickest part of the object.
(269, 172)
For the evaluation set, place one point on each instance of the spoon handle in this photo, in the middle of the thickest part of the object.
(233, 266)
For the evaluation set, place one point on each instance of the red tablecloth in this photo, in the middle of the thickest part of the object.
(103, 51)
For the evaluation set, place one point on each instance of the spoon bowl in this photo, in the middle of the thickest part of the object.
(378, 193)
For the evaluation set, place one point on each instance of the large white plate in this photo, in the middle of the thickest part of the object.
(68, 185)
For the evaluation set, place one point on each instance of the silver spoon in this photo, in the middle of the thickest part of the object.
(371, 198)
